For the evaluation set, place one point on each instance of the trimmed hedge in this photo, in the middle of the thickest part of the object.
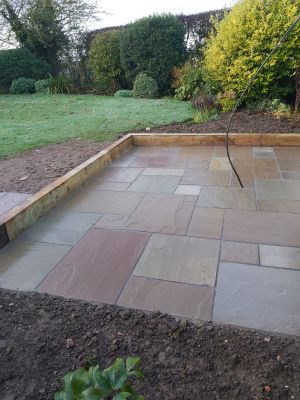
(145, 87)
(22, 86)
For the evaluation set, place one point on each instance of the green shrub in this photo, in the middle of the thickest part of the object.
(243, 39)
(203, 101)
(188, 80)
(104, 61)
(94, 384)
(145, 87)
(206, 115)
(22, 86)
(154, 45)
(42, 86)
(60, 84)
(227, 100)
(124, 93)
(16, 63)
(272, 106)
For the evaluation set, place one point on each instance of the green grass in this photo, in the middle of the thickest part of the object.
(31, 121)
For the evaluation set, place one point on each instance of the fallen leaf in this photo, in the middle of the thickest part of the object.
(24, 178)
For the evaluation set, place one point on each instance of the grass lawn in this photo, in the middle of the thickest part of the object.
(33, 121)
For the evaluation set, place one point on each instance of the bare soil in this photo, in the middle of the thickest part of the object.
(42, 166)
(243, 122)
(181, 360)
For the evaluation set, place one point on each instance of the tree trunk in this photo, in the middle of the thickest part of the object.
(297, 102)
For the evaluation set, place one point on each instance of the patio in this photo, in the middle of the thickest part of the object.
(169, 229)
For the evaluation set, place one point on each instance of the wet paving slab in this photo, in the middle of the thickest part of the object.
(169, 229)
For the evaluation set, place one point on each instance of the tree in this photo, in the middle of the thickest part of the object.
(104, 61)
(153, 45)
(243, 39)
(47, 28)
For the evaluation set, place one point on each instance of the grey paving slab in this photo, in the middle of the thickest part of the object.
(180, 259)
(10, 200)
(240, 252)
(290, 174)
(289, 206)
(60, 227)
(124, 161)
(284, 189)
(258, 297)
(164, 171)
(262, 227)
(263, 152)
(24, 264)
(280, 256)
(193, 190)
(103, 202)
(289, 164)
(162, 213)
(287, 152)
(112, 221)
(2, 194)
(227, 197)
(98, 184)
(155, 184)
(116, 174)
(197, 176)
(188, 301)
(206, 223)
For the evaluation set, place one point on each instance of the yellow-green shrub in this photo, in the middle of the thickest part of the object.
(243, 39)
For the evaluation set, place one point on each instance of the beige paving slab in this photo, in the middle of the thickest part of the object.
(164, 171)
(250, 169)
(24, 264)
(235, 151)
(98, 184)
(193, 190)
(289, 164)
(240, 252)
(123, 161)
(103, 202)
(155, 184)
(227, 197)
(287, 152)
(258, 297)
(197, 176)
(196, 152)
(188, 301)
(117, 174)
(206, 223)
(10, 200)
(112, 221)
(284, 189)
(262, 227)
(180, 259)
(220, 163)
(280, 256)
(278, 205)
(162, 213)
(199, 163)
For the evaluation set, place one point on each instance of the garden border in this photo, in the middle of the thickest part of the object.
(16, 220)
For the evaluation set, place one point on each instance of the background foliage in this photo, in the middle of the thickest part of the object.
(145, 87)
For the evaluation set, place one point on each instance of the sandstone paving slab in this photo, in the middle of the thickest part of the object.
(10, 200)
(163, 171)
(155, 184)
(235, 151)
(289, 164)
(250, 169)
(220, 163)
(284, 189)
(103, 202)
(116, 174)
(263, 152)
(262, 227)
(112, 221)
(290, 174)
(60, 227)
(162, 213)
(239, 252)
(159, 161)
(97, 268)
(193, 190)
(124, 161)
(287, 152)
(289, 206)
(23, 264)
(197, 176)
(180, 259)
(206, 223)
(280, 256)
(196, 152)
(227, 197)
(199, 163)
(98, 184)
(258, 297)
(2, 194)
(188, 301)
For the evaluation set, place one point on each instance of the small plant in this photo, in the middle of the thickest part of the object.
(60, 84)
(42, 86)
(206, 115)
(272, 106)
(227, 100)
(22, 86)
(187, 80)
(94, 384)
(124, 93)
(145, 87)
(203, 101)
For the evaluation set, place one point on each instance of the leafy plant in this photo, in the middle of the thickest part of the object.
(203, 101)
(267, 105)
(124, 93)
(227, 100)
(145, 87)
(42, 86)
(22, 86)
(110, 383)
(188, 80)
(206, 115)
(60, 84)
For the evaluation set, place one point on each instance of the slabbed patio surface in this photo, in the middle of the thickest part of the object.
(169, 229)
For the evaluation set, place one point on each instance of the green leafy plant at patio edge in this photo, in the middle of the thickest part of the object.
(95, 384)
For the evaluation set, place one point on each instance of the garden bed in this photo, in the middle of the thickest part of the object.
(243, 122)
(180, 360)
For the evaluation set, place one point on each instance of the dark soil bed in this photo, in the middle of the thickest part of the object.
(243, 122)
(180, 360)
(42, 166)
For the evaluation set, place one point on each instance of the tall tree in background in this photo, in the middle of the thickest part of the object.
(48, 28)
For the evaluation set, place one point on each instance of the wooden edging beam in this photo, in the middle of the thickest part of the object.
(16, 220)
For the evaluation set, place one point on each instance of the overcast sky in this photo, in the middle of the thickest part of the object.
(125, 11)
